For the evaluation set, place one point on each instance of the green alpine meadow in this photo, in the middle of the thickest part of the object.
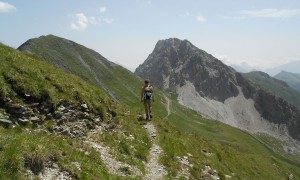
(66, 112)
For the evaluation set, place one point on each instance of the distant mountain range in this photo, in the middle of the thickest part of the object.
(292, 79)
(205, 84)
(243, 67)
(293, 67)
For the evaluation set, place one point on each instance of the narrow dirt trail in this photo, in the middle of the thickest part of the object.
(153, 169)
(113, 165)
(168, 106)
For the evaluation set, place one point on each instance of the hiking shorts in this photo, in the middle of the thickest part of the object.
(147, 101)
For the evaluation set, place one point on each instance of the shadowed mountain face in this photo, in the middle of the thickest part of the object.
(205, 84)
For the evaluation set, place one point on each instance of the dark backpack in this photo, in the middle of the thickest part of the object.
(148, 92)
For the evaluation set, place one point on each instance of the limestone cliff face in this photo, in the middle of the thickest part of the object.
(205, 84)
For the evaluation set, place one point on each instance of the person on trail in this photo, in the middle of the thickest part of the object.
(147, 95)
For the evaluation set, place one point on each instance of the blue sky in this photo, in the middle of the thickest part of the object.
(263, 34)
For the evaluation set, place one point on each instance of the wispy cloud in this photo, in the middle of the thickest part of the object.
(108, 20)
(201, 19)
(102, 9)
(83, 21)
(144, 1)
(5, 7)
(269, 13)
(186, 14)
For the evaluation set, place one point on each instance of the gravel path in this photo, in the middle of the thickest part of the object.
(168, 107)
(153, 168)
(111, 163)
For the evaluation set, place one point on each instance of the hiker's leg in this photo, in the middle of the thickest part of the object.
(150, 109)
(146, 109)
(148, 102)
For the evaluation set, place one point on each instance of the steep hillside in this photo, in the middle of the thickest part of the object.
(195, 148)
(292, 79)
(51, 121)
(205, 84)
(274, 86)
(77, 59)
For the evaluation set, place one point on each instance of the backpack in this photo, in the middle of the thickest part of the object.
(148, 92)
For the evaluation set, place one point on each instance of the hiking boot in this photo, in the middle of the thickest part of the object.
(150, 116)
(147, 117)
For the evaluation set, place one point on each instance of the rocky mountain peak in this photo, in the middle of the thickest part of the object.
(174, 62)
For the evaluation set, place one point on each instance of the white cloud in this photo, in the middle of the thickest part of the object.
(81, 23)
(270, 13)
(186, 14)
(5, 7)
(201, 19)
(108, 20)
(144, 1)
(102, 9)
(224, 58)
(94, 20)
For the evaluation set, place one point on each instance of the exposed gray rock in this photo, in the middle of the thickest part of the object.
(23, 121)
(70, 119)
(5, 122)
(174, 61)
(15, 109)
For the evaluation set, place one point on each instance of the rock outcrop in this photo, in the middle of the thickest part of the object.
(68, 118)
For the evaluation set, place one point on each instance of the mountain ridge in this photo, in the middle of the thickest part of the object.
(275, 86)
(86, 58)
(292, 79)
(293, 67)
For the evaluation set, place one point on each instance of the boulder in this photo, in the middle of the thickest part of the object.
(6, 123)
(15, 109)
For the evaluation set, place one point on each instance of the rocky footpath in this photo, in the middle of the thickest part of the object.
(153, 168)
(67, 118)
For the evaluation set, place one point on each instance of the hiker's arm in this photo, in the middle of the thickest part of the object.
(153, 94)
(142, 94)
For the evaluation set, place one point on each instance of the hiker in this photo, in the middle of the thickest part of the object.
(147, 95)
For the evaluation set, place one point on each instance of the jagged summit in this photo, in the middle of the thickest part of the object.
(174, 61)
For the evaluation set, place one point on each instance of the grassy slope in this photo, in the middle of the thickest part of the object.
(292, 79)
(274, 86)
(249, 157)
(187, 132)
(21, 74)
